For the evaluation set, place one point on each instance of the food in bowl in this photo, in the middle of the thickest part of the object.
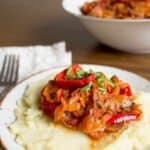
(120, 9)
(80, 109)
(129, 35)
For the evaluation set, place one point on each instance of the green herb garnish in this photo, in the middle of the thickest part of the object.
(97, 74)
(102, 90)
(87, 87)
(79, 74)
(101, 79)
(111, 83)
(69, 74)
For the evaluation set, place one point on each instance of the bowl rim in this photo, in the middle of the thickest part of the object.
(103, 19)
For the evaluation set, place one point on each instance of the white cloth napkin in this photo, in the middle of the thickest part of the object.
(36, 58)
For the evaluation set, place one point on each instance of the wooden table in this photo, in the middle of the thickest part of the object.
(31, 22)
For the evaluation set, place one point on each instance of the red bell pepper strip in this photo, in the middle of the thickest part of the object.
(126, 91)
(64, 83)
(62, 74)
(72, 71)
(73, 84)
(120, 118)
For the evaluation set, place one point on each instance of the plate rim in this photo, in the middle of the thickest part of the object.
(60, 67)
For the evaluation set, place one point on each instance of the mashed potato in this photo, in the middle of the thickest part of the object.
(35, 131)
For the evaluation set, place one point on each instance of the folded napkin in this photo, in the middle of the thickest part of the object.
(36, 58)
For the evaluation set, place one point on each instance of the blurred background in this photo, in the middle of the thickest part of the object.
(31, 22)
(39, 22)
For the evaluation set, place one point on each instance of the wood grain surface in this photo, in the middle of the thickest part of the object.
(30, 22)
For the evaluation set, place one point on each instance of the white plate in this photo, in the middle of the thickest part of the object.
(9, 103)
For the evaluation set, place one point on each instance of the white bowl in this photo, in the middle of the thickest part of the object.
(126, 35)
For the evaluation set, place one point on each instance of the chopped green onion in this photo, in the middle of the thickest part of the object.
(87, 87)
(97, 74)
(111, 83)
(79, 74)
(102, 90)
(69, 74)
(100, 79)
